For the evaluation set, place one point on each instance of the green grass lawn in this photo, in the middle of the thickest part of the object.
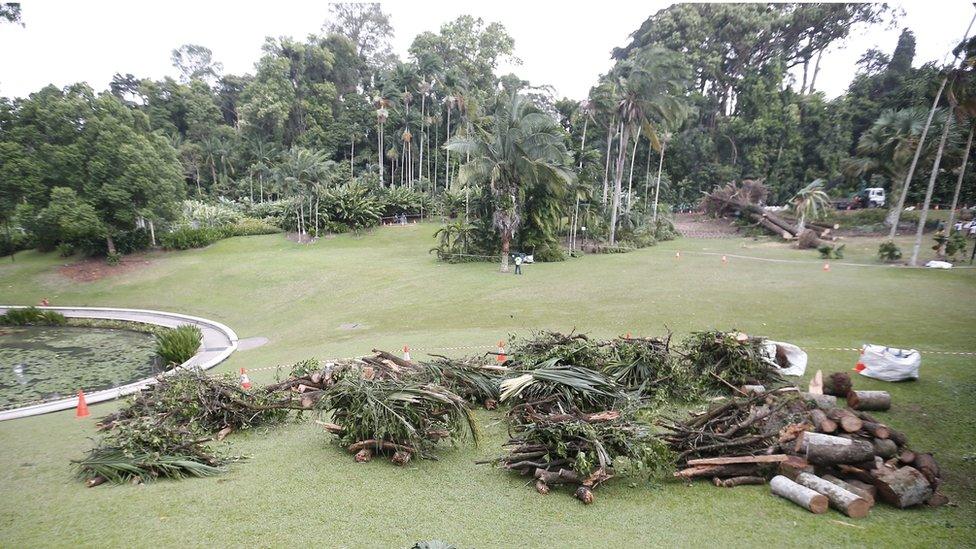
(299, 488)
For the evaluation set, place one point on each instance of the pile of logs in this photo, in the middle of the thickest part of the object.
(816, 452)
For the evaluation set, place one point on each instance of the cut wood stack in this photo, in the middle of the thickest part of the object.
(820, 453)
(770, 221)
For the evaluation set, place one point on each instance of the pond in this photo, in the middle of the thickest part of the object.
(49, 363)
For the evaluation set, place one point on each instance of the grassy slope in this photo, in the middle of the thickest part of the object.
(299, 487)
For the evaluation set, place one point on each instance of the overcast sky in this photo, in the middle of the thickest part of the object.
(560, 43)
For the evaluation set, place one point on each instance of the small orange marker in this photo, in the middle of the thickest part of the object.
(677, 255)
(82, 410)
(245, 380)
(501, 356)
(724, 260)
(826, 266)
(406, 353)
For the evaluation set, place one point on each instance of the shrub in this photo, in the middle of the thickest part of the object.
(249, 226)
(113, 259)
(185, 237)
(32, 316)
(14, 241)
(954, 244)
(889, 251)
(397, 200)
(200, 214)
(178, 345)
(65, 250)
(352, 206)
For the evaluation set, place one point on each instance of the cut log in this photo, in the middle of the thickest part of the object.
(876, 430)
(904, 487)
(737, 481)
(861, 475)
(563, 476)
(829, 454)
(808, 438)
(846, 419)
(752, 390)
(837, 384)
(95, 481)
(824, 402)
(886, 448)
(866, 486)
(900, 439)
(584, 494)
(822, 422)
(850, 487)
(400, 457)
(869, 400)
(938, 499)
(733, 470)
(728, 460)
(801, 495)
(927, 465)
(906, 457)
(793, 466)
(541, 487)
(844, 501)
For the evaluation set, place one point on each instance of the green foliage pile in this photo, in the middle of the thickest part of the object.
(830, 251)
(32, 316)
(648, 367)
(720, 359)
(562, 386)
(177, 345)
(402, 412)
(474, 379)
(955, 243)
(350, 208)
(567, 349)
(162, 431)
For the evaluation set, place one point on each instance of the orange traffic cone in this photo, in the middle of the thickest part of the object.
(724, 260)
(245, 380)
(826, 266)
(677, 255)
(406, 353)
(82, 410)
(628, 335)
(501, 356)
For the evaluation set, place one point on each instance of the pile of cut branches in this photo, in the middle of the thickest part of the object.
(724, 361)
(162, 431)
(581, 449)
(399, 417)
(568, 349)
(646, 366)
(816, 452)
(475, 379)
(562, 387)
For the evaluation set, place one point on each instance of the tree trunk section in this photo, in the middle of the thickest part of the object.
(846, 502)
(830, 453)
(801, 495)
(869, 400)
(904, 487)
(858, 491)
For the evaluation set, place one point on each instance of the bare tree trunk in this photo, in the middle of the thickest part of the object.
(110, 244)
(606, 171)
(420, 164)
(816, 71)
(928, 192)
(379, 148)
(618, 181)
(152, 234)
(921, 142)
(352, 156)
(447, 160)
(506, 246)
(955, 195)
(657, 186)
(806, 65)
(630, 181)
(586, 119)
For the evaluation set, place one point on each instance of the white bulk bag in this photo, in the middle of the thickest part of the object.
(796, 358)
(888, 363)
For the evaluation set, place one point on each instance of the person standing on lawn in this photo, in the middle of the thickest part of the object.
(518, 264)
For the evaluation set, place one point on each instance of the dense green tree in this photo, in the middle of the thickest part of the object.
(523, 152)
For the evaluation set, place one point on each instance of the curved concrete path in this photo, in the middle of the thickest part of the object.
(219, 341)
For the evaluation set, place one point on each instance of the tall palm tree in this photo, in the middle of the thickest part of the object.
(302, 169)
(809, 202)
(381, 115)
(586, 109)
(523, 148)
(648, 86)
